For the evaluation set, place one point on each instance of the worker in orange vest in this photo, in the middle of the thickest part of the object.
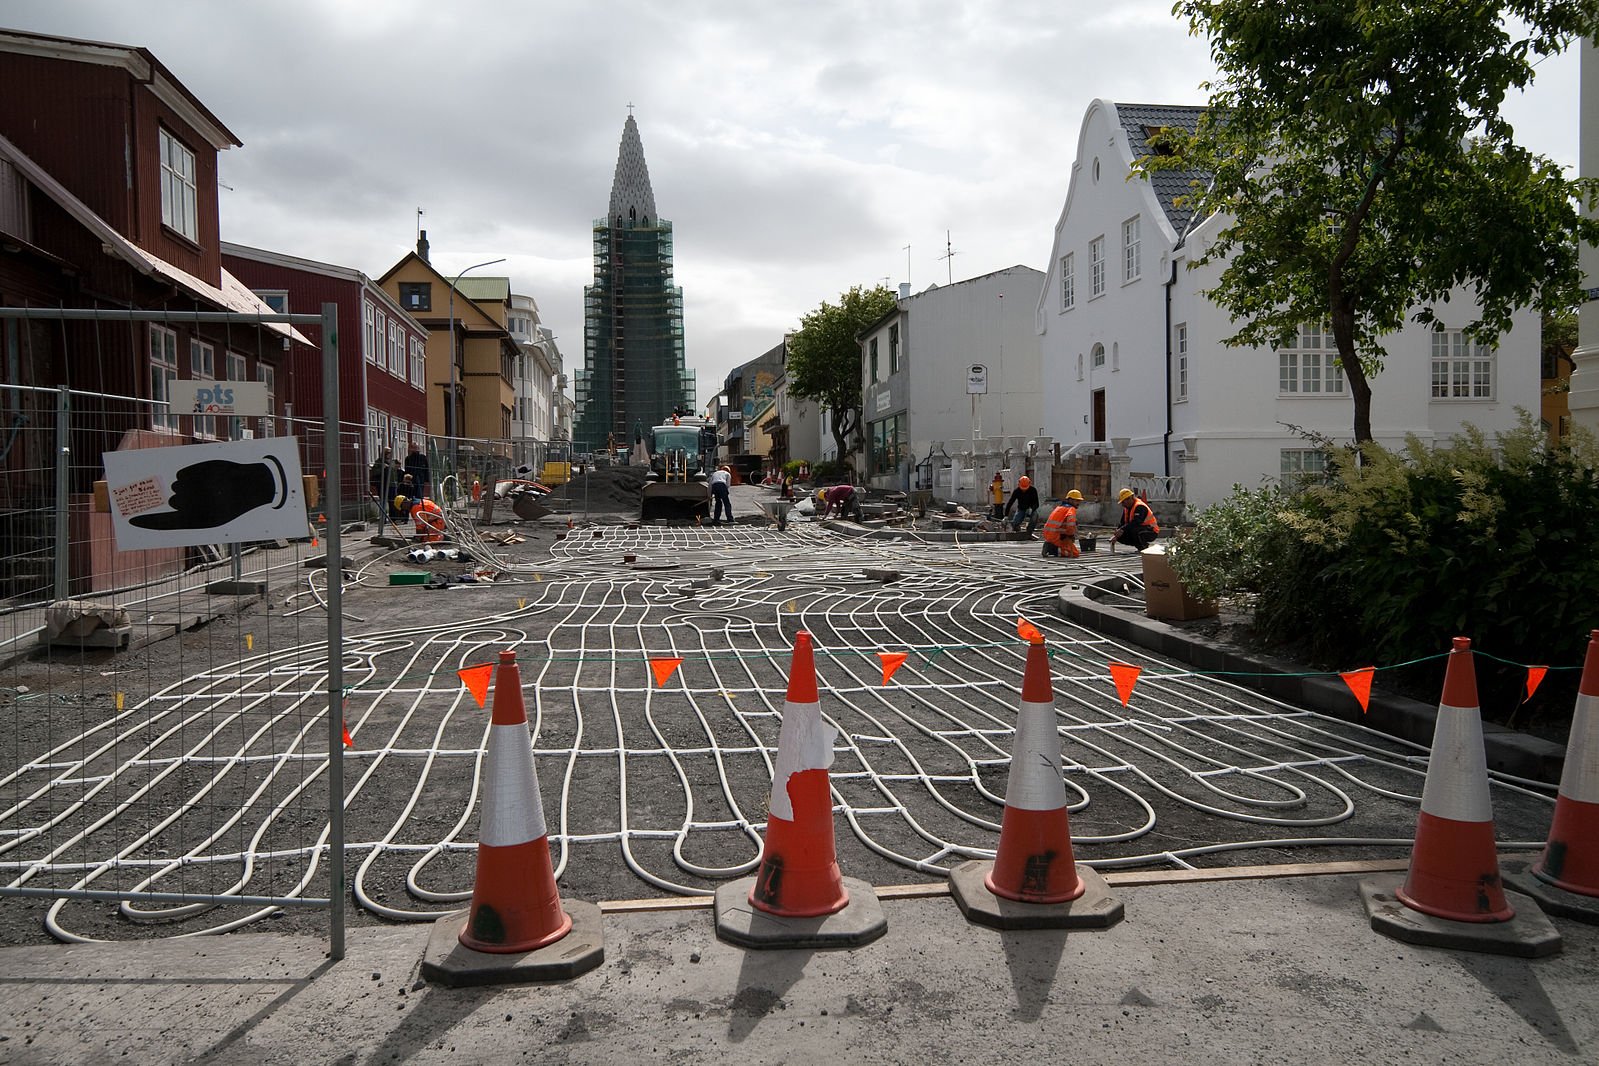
(1138, 527)
(1060, 529)
(429, 519)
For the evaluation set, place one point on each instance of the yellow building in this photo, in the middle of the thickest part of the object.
(470, 318)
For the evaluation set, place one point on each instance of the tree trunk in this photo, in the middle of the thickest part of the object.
(1343, 329)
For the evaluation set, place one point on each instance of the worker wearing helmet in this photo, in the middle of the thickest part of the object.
(843, 497)
(1138, 527)
(1025, 500)
(1060, 531)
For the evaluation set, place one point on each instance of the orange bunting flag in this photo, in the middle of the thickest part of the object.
(349, 741)
(1027, 631)
(892, 660)
(663, 669)
(476, 680)
(1534, 679)
(1359, 682)
(1125, 676)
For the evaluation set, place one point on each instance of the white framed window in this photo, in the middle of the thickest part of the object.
(1097, 355)
(179, 209)
(396, 360)
(369, 332)
(203, 367)
(1309, 365)
(1096, 267)
(1303, 466)
(1462, 368)
(1181, 344)
(236, 370)
(401, 430)
(163, 372)
(1068, 282)
(383, 428)
(374, 446)
(1132, 268)
(277, 299)
(268, 376)
(419, 362)
(419, 437)
(380, 335)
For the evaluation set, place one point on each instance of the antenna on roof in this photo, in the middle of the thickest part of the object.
(948, 257)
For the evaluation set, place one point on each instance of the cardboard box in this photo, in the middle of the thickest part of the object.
(1164, 595)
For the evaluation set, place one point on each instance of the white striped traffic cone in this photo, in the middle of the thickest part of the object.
(1571, 858)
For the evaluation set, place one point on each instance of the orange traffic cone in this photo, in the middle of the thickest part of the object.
(1453, 894)
(516, 928)
(1034, 882)
(1454, 865)
(1571, 858)
(1034, 862)
(798, 898)
(515, 904)
(799, 875)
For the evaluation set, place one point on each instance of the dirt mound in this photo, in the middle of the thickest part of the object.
(606, 488)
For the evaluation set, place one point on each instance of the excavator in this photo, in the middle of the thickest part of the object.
(677, 487)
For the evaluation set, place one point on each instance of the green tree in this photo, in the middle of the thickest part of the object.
(824, 358)
(1357, 152)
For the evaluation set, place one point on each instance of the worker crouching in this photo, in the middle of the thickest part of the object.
(429, 519)
(1138, 527)
(1060, 528)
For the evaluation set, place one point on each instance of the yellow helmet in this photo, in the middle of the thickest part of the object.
(399, 503)
(1074, 495)
(1121, 496)
(821, 494)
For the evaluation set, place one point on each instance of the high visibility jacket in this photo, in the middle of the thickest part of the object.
(429, 519)
(1061, 525)
(996, 491)
(1136, 512)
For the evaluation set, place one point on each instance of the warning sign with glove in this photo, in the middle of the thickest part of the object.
(225, 493)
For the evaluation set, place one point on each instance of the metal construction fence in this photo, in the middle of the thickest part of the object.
(149, 754)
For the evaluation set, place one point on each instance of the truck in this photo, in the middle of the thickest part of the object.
(677, 487)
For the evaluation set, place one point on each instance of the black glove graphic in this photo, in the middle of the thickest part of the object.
(217, 491)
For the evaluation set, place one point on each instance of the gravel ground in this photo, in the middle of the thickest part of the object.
(647, 791)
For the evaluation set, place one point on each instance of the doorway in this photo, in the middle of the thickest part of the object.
(1100, 429)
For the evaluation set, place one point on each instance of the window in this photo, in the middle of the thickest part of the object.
(269, 378)
(383, 428)
(402, 433)
(369, 335)
(418, 362)
(1309, 365)
(163, 372)
(1303, 466)
(277, 299)
(893, 349)
(1068, 282)
(416, 295)
(1098, 353)
(178, 200)
(889, 444)
(1131, 268)
(1181, 345)
(1096, 267)
(1462, 368)
(236, 371)
(374, 447)
(872, 346)
(203, 367)
(396, 349)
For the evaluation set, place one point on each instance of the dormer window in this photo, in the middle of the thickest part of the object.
(1154, 137)
(178, 199)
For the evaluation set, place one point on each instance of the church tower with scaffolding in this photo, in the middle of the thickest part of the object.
(633, 370)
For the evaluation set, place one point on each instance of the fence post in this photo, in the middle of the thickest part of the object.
(332, 541)
(63, 490)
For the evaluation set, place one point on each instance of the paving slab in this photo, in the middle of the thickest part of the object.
(1283, 970)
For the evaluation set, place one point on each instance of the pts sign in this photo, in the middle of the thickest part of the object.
(243, 399)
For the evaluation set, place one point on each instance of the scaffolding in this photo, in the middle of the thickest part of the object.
(633, 374)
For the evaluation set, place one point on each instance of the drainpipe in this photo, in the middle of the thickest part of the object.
(1165, 449)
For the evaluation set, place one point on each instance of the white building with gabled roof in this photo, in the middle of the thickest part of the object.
(1133, 352)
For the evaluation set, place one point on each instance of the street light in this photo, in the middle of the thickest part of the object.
(454, 412)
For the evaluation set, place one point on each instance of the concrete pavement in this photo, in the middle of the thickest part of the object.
(1226, 971)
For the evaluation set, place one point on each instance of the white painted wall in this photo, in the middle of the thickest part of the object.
(1232, 428)
(944, 330)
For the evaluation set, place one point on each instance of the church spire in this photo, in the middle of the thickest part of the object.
(632, 200)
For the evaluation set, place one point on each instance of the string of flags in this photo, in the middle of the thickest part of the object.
(1124, 676)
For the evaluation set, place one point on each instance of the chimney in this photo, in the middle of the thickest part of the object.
(422, 245)
(904, 290)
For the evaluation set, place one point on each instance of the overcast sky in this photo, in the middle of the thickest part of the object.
(797, 147)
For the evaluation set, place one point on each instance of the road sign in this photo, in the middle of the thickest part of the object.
(977, 380)
(241, 399)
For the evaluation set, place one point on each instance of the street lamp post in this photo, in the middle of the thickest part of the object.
(454, 412)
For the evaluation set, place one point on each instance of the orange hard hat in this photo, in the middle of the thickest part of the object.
(1024, 482)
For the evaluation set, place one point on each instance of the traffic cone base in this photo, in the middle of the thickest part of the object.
(1092, 908)
(859, 921)
(448, 961)
(1530, 934)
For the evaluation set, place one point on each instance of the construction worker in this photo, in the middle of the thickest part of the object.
(844, 497)
(1025, 500)
(1138, 527)
(1060, 530)
(721, 494)
(429, 519)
